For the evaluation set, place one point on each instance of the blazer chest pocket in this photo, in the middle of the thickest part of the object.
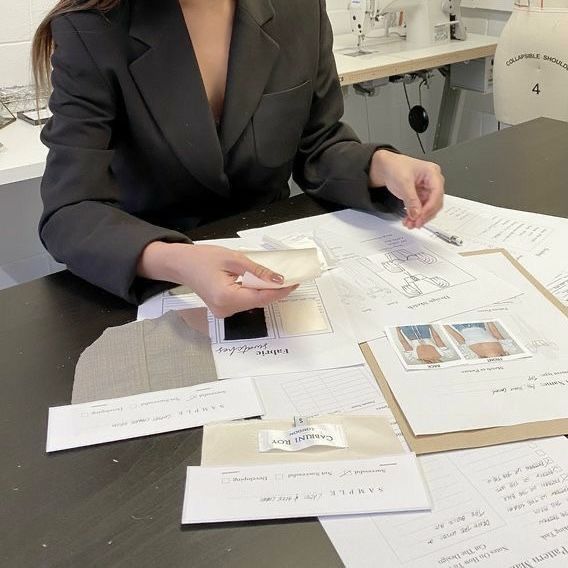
(278, 124)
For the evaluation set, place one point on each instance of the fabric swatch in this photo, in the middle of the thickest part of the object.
(236, 443)
(296, 265)
(169, 352)
(250, 324)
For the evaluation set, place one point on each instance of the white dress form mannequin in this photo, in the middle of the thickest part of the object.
(531, 63)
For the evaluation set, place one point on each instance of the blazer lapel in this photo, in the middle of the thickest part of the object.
(253, 54)
(168, 77)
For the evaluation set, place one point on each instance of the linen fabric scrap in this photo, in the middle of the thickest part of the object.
(236, 443)
(169, 352)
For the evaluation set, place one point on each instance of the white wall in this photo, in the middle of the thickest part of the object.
(18, 21)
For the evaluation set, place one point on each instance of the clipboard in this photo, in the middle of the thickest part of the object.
(478, 438)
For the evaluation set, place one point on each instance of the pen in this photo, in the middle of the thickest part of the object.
(452, 239)
(446, 237)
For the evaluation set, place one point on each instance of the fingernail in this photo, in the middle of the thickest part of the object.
(277, 278)
(413, 212)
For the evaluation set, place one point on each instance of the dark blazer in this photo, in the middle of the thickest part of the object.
(134, 153)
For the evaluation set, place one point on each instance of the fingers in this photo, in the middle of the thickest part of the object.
(434, 193)
(412, 202)
(237, 299)
(241, 264)
(428, 191)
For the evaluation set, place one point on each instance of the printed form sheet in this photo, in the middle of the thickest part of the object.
(498, 507)
(280, 491)
(308, 330)
(537, 241)
(351, 390)
(493, 392)
(388, 275)
(86, 424)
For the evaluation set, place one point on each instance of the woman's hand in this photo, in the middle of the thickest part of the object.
(419, 184)
(210, 271)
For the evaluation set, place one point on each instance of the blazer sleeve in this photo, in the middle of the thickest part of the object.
(82, 224)
(331, 162)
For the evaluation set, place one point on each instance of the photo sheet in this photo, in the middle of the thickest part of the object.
(497, 387)
(440, 345)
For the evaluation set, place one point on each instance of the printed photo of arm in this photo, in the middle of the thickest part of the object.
(455, 335)
(403, 341)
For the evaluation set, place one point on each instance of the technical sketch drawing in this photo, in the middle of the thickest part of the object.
(418, 284)
(414, 284)
(397, 258)
(416, 272)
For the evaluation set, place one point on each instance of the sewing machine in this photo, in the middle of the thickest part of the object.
(426, 22)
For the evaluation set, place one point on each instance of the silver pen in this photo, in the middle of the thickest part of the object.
(452, 239)
(446, 237)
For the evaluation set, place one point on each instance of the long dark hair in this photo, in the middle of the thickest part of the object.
(42, 45)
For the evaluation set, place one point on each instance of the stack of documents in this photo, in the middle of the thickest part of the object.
(495, 370)
(495, 391)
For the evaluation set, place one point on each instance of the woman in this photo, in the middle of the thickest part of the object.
(169, 114)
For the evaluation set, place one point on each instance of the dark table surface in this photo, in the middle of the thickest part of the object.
(120, 504)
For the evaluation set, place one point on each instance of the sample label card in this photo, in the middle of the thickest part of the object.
(379, 485)
(115, 419)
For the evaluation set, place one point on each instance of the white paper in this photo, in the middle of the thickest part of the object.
(537, 241)
(351, 390)
(523, 234)
(389, 483)
(498, 507)
(558, 286)
(156, 412)
(493, 507)
(497, 393)
(388, 275)
(308, 330)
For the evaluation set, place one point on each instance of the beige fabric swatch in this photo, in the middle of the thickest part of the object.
(169, 352)
(296, 265)
(236, 443)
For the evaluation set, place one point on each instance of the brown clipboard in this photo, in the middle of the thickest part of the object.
(465, 439)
